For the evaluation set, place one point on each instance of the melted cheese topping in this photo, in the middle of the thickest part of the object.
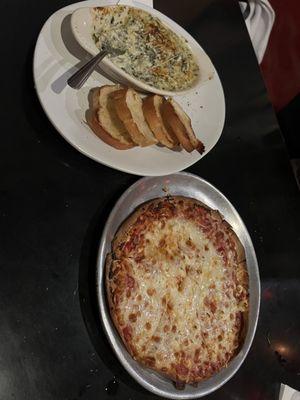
(153, 53)
(183, 314)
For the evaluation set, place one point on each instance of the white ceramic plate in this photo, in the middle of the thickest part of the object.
(58, 55)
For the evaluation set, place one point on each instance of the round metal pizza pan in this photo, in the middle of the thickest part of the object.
(188, 185)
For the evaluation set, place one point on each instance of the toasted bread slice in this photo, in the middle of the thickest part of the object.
(152, 106)
(181, 125)
(104, 121)
(128, 105)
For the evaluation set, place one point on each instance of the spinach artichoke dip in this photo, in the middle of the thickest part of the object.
(153, 53)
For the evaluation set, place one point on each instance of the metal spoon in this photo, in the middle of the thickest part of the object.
(79, 78)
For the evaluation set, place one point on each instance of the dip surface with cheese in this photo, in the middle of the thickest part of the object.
(153, 53)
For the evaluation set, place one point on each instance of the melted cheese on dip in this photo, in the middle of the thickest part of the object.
(154, 54)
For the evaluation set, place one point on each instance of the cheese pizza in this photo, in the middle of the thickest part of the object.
(177, 287)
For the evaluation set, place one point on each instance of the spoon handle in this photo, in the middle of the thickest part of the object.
(79, 78)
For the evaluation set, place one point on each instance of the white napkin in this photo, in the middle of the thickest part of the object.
(259, 23)
(288, 393)
(148, 3)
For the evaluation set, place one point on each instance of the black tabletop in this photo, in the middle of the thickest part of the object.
(54, 202)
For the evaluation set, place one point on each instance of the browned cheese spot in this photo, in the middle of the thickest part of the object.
(132, 317)
(162, 243)
(151, 291)
(169, 306)
(196, 355)
(180, 283)
(150, 361)
(148, 325)
(156, 339)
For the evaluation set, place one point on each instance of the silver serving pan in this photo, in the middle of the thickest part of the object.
(189, 185)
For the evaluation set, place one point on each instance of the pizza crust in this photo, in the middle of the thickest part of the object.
(108, 283)
(123, 232)
(145, 344)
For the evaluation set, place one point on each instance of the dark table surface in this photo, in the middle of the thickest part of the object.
(54, 201)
